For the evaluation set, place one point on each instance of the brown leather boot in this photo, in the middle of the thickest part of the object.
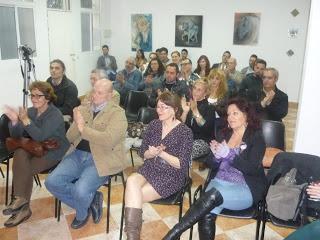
(133, 223)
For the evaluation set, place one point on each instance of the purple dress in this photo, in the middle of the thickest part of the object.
(164, 178)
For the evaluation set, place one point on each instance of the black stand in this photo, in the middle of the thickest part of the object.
(28, 66)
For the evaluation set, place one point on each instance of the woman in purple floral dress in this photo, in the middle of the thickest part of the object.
(166, 150)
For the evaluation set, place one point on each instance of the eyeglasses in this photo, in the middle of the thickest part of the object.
(36, 96)
(163, 107)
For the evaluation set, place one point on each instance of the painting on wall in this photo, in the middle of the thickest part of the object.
(246, 28)
(141, 32)
(188, 31)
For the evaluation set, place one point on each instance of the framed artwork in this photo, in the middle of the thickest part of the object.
(246, 28)
(188, 31)
(141, 32)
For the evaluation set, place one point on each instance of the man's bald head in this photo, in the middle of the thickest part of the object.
(102, 91)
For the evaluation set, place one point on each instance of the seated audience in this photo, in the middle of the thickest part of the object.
(163, 56)
(152, 55)
(312, 230)
(175, 57)
(186, 73)
(171, 84)
(232, 74)
(166, 149)
(240, 181)
(106, 61)
(203, 66)
(223, 64)
(184, 54)
(97, 74)
(153, 77)
(40, 122)
(217, 97)
(127, 79)
(140, 58)
(200, 117)
(251, 85)
(274, 102)
(97, 137)
(245, 71)
(65, 90)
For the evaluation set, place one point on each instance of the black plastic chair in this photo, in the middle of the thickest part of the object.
(307, 166)
(5, 155)
(134, 101)
(145, 115)
(253, 212)
(57, 212)
(274, 134)
(175, 199)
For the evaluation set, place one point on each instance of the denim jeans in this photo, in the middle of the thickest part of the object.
(75, 181)
(235, 196)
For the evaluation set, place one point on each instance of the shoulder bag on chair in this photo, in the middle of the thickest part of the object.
(284, 197)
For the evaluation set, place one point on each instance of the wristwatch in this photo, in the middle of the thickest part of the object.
(197, 115)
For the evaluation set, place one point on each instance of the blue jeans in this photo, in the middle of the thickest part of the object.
(75, 181)
(235, 196)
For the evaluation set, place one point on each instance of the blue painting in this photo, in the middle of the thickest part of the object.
(246, 28)
(141, 32)
(188, 31)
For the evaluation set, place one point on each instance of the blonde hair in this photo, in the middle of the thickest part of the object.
(223, 86)
(204, 83)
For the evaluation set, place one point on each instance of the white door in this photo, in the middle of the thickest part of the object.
(60, 40)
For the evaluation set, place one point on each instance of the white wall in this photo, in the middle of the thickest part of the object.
(218, 21)
(11, 82)
(11, 79)
(308, 131)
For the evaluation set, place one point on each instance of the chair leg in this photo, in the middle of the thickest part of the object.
(190, 203)
(131, 157)
(108, 204)
(37, 176)
(264, 220)
(123, 206)
(2, 173)
(59, 210)
(7, 182)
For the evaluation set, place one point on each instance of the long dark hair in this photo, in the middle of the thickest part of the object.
(198, 69)
(149, 70)
(248, 109)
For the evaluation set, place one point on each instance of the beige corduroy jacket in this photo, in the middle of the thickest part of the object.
(106, 136)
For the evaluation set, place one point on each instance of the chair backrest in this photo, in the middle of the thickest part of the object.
(146, 115)
(4, 127)
(274, 134)
(134, 101)
(306, 164)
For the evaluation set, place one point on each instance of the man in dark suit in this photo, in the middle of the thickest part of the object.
(106, 61)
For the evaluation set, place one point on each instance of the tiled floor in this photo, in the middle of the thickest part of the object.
(157, 219)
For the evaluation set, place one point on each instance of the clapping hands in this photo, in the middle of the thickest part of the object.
(78, 119)
(155, 151)
(219, 150)
(313, 190)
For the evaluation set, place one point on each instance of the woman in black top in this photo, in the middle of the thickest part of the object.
(200, 117)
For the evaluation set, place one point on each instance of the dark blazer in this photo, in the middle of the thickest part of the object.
(204, 132)
(249, 162)
(101, 63)
(179, 87)
(67, 95)
(250, 87)
(49, 125)
(277, 109)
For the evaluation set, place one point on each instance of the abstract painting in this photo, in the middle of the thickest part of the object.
(141, 32)
(188, 31)
(246, 28)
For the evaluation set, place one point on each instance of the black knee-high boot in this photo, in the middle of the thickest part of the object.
(207, 227)
(201, 207)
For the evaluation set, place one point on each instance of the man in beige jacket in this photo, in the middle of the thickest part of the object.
(97, 136)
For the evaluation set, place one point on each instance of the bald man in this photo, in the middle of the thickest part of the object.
(97, 138)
